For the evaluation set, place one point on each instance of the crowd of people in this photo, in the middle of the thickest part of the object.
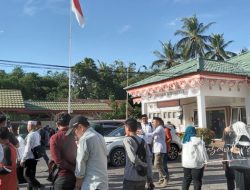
(79, 155)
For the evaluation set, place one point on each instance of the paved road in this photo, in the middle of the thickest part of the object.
(213, 177)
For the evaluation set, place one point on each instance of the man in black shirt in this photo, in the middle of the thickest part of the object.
(3, 122)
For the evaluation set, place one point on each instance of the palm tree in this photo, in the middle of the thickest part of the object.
(168, 58)
(217, 48)
(193, 41)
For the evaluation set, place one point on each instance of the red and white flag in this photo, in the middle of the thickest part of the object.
(76, 8)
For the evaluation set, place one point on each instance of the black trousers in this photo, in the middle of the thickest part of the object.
(194, 175)
(45, 156)
(65, 183)
(229, 173)
(30, 174)
(242, 179)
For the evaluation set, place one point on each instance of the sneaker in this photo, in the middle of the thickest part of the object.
(158, 183)
(164, 183)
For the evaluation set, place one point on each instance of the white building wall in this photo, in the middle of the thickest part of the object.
(215, 96)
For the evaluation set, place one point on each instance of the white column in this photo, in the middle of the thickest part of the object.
(247, 104)
(201, 106)
(144, 108)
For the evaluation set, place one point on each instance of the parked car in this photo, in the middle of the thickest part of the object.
(105, 127)
(175, 145)
(116, 151)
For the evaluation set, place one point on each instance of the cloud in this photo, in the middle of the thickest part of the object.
(173, 23)
(124, 29)
(32, 7)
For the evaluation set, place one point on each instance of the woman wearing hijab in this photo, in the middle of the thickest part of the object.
(241, 146)
(194, 158)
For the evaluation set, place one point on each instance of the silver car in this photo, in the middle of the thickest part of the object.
(116, 151)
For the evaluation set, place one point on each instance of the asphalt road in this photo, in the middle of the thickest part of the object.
(213, 176)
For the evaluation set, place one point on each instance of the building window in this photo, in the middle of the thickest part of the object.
(150, 115)
(239, 114)
(174, 114)
(169, 114)
(165, 115)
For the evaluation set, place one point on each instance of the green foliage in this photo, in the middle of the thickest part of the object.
(52, 86)
(193, 38)
(17, 117)
(193, 43)
(89, 81)
(217, 48)
(119, 110)
(135, 112)
(168, 58)
(206, 134)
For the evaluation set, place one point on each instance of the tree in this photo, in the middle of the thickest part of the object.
(168, 58)
(243, 50)
(217, 48)
(18, 72)
(193, 41)
(85, 77)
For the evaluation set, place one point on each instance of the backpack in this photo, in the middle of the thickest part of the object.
(38, 152)
(44, 137)
(141, 153)
(241, 160)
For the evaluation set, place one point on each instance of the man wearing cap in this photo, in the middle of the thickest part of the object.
(3, 123)
(63, 152)
(91, 161)
(28, 160)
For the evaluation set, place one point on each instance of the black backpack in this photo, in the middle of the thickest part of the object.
(240, 161)
(141, 153)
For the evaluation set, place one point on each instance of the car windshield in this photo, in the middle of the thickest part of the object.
(117, 132)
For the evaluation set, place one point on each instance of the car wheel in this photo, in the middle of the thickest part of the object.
(174, 152)
(117, 157)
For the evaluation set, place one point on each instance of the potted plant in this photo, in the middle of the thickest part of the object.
(206, 134)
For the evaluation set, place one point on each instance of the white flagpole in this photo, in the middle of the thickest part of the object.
(70, 31)
(127, 97)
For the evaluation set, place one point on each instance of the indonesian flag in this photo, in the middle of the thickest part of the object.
(76, 8)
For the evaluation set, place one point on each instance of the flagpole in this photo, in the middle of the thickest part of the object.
(127, 97)
(70, 31)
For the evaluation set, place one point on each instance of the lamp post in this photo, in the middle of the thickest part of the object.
(127, 97)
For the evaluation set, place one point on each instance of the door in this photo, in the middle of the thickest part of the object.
(216, 121)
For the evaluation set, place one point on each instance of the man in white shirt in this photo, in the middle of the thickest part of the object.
(91, 161)
(146, 128)
(159, 150)
(28, 160)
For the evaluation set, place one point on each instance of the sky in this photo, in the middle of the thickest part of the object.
(126, 30)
